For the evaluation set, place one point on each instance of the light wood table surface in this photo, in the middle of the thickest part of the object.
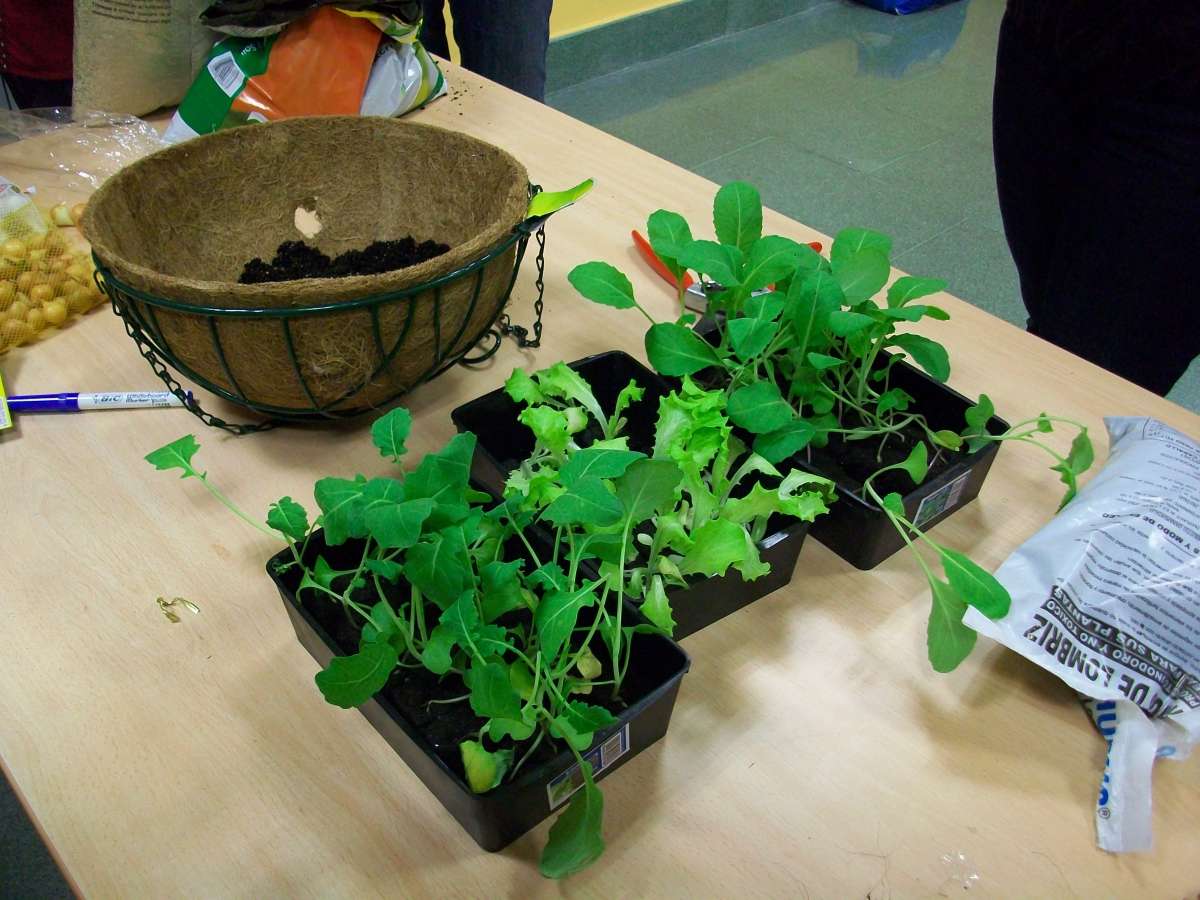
(813, 753)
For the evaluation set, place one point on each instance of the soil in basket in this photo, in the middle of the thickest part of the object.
(444, 725)
(850, 463)
(295, 259)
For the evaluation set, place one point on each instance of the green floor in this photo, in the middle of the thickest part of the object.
(842, 116)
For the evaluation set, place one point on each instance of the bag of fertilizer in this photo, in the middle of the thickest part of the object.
(1107, 597)
(333, 61)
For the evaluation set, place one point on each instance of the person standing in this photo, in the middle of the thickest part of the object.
(35, 51)
(1096, 134)
(506, 42)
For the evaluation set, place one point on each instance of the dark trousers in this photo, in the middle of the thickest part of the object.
(1099, 186)
(505, 42)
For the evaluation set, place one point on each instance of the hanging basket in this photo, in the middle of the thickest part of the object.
(171, 234)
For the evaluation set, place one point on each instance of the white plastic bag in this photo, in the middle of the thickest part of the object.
(1107, 597)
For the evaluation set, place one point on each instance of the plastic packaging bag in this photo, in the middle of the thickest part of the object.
(1107, 597)
(53, 158)
(330, 62)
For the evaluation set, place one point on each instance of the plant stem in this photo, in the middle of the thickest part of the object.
(228, 504)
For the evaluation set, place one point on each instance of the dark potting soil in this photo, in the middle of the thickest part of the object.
(446, 724)
(295, 259)
(850, 463)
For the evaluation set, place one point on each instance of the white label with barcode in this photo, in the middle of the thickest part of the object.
(226, 73)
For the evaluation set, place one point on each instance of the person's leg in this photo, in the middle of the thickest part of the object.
(505, 42)
(433, 28)
(1034, 143)
(1121, 286)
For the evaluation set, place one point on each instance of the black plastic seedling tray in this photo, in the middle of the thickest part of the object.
(497, 818)
(503, 443)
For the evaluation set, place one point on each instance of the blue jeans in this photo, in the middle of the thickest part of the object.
(505, 42)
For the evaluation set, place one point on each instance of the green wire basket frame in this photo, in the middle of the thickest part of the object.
(144, 330)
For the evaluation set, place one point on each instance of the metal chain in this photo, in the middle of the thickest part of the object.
(150, 354)
(504, 325)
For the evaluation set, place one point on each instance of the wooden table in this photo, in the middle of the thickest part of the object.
(812, 752)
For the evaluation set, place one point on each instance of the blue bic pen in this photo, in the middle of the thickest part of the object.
(79, 401)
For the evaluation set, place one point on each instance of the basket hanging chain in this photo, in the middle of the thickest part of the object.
(520, 332)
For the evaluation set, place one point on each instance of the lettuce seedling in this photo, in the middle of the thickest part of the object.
(804, 351)
(650, 518)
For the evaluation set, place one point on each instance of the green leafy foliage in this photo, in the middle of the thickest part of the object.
(350, 681)
(675, 350)
(604, 284)
(288, 518)
(576, 840)
(948, 640)
(760, 408)
(737, 215)
(485, 770)
(669, 234)
(390, 431)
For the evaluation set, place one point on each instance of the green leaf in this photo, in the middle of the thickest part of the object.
(588, 665)
(823, 361)
(1044, 425)
(787, 499)
(381, 623)
(549, 426)
(586, 502)
(436, 654)
(350, 681)
(545, 203)
(907, 288)
(602, 283)
(750, 337)
(597, 462)
(575, 840)
(765, 306)
(915, 313)
(501, 588)
(812, 297)
(630, 394)
(442, 477)
(720, 262)
(555, 617)
(896, 399)
(386, 569)
(492, 696)
(397, 526)
(439, 567)
(485, 770)
(948, 439)
(288, 518)
(669, 234)
(675, 350)
(760, 408)
(549, 577)
(861, 275)
(517, 729)
(894, 504)
(1079, 460)
(948, 640)
(770, 259)
(560, 380)
(916, 464)
(737, 215)
(176, 455)
(342, 508)
(320, 575)
(850, 241)
(579, 722)
(977, 418)
(657, 608)
(776, 446)
(975, 585)
(845, 324)
(521, 388)
(929, 355)
(390, 431)
(647, 487)
(718, 544)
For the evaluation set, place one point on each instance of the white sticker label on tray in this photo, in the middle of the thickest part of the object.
(226, 73)
(560, 790)
(941, 500)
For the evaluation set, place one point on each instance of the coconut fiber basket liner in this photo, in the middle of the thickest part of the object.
(171, 233)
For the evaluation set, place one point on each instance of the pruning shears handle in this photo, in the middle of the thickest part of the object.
(657, 264)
